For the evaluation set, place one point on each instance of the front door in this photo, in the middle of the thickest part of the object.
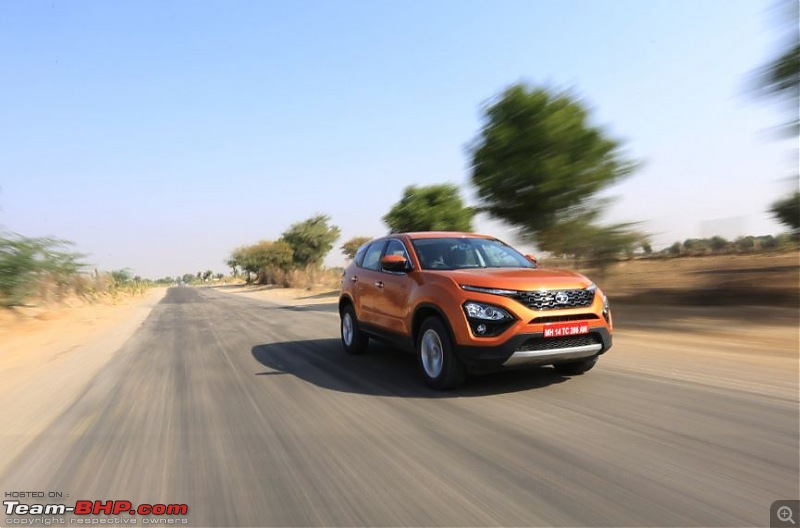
(391, 304)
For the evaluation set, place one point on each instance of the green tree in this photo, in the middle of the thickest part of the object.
(596, 246)
(767, 242)
(276, 259)
(24, 262)
(718, 244)
(781, 76)
(263, 258)
(538, 164)
(787, 210)
(18, 268)
(430, 208)
(271, 256)
(350, 247)
(779, 79)
(243, 257)
(311, 240)
(607, 243)
(207, 274)
(233, 263)
(745, 243)
(786, 241)
(121, 276)
(696, 246)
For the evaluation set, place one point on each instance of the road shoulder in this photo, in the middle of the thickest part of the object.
(46, 364)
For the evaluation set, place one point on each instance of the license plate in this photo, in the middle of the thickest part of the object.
(565, 329)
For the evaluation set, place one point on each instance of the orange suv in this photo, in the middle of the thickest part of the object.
(466, 303)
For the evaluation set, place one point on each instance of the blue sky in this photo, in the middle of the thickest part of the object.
(160, 135)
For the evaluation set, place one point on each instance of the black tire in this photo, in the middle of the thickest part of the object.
(449, 373)
(576, 368)
(358, 341)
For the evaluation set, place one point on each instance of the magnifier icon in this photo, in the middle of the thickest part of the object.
(785, 514)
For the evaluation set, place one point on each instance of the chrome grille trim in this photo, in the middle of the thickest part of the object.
(551, 299)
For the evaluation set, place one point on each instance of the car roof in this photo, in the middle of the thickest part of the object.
(438, 234)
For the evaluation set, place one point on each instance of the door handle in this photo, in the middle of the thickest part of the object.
(354, 279)
(379, 284)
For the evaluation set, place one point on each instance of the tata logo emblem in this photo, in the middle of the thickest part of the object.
(562, 298)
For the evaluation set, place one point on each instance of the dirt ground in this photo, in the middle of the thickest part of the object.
(765, 279)
(48, 359)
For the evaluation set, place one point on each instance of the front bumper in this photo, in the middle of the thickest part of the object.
(534, 349)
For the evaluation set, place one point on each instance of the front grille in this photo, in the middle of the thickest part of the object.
(554, 343)
(563, 318)
(555, 299)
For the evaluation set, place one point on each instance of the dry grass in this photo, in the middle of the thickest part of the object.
(763, 279)
(307, 279)
(78, 290)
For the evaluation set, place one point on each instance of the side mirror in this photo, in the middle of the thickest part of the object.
(394, 263)
(533, 259)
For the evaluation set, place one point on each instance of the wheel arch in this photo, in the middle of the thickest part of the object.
(345, 300)
(423, 312)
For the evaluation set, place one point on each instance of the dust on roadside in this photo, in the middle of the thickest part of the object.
(45, 362)
(33, 330)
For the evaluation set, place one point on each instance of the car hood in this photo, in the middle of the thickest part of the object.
(520, 278)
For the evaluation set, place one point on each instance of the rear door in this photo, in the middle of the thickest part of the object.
(367, 278)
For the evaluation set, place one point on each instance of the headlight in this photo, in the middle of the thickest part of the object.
(486, 312)
(605, 304)
(493, 291)
(592, 287)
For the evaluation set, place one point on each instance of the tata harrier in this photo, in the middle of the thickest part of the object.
(467, 303)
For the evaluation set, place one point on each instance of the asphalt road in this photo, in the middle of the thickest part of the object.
(252, 415)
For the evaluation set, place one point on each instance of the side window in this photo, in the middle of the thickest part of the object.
(396, 247)
(372, 257)
(360, 254)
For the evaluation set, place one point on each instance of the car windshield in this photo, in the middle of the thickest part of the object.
(464, 253)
